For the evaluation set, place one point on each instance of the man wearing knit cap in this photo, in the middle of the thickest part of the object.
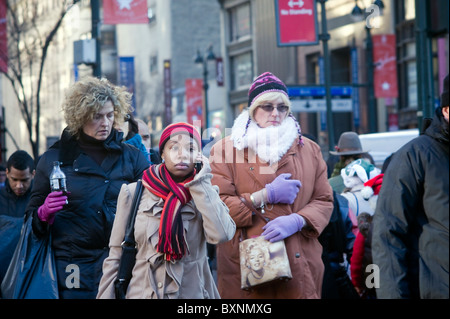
(410, 228)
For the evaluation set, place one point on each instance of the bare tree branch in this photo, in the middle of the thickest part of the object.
(27, 46)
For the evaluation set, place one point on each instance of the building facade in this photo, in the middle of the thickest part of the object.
(249, 45)
(176, 30)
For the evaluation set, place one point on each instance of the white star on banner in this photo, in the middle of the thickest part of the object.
(385, 86)
(124, 4)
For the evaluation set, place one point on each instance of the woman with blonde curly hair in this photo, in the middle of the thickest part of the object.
(96, 164)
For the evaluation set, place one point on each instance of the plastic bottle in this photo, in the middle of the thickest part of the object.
(57, 179)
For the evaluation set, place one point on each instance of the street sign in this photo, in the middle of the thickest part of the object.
(296, 22)
(312, 98)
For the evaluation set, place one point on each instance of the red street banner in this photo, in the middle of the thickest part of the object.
(125, 11)
(3, 38)
(194, 100)
(296, 22)
(385, 61)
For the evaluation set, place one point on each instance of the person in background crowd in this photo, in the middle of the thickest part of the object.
(348, 149)
(144, 132)
(179, 212)
(337, 241)
(354, 175)
(14, 197)
(133, 137)
(147, 141)
(266, 164)
(410, 242)
(96, 164)
(2, 176)
(362, 248)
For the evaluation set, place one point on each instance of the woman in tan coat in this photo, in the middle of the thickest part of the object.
(180, 211)
(266, 164)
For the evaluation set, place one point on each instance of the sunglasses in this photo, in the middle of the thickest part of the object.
(269, 108)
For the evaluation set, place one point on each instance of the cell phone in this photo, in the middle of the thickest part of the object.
(198, 166)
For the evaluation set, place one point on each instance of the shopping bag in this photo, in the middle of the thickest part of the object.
(9, 233)
(32, 272)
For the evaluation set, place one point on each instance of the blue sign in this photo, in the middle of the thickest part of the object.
(126, 77)
(312, 99)
(318, 91)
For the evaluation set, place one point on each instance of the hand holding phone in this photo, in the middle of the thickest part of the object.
(199, 162)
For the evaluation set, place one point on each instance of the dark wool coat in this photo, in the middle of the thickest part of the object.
(410, 243)
(81, 230)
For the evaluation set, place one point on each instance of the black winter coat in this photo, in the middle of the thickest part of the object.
(81, 230)
(11, 204)
(410, 241)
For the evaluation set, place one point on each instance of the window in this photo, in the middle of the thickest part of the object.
(242, 70)
(240, 26)
(154, 64)
(151, 14)
(312, 68)
(411, 69)
(108, 38)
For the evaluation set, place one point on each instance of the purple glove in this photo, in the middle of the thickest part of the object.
(53, 203)
(282, 227)
(282, 189)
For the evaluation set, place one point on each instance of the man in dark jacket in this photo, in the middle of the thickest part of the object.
(14, 198)
(15, 195)
(410, 242)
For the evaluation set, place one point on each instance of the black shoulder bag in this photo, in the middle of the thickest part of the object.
(129, 250)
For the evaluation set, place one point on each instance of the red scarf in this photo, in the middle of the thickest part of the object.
(171, 232)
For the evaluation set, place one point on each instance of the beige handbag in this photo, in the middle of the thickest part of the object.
(261, 261)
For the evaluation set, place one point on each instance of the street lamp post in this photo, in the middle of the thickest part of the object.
(372, 103)
(95, 20)
(203, 59)
(358, 15)
(324, 37)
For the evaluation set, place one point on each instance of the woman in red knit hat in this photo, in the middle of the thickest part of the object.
(179, 212)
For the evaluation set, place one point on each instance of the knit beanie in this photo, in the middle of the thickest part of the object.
(444, 95)
(266, 82)
(372, 187)
(179, 128)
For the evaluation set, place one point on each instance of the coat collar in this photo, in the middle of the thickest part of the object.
(69, 149)
(279, 140)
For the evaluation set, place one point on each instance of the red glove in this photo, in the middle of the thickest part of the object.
(53, 203)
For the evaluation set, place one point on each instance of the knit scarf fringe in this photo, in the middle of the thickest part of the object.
(171, 240)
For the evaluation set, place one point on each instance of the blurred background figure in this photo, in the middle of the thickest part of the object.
(2, 176)
(349, 148)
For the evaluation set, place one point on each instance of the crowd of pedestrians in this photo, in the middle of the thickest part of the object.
(351, 230)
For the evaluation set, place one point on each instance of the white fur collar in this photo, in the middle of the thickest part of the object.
(270, 143)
